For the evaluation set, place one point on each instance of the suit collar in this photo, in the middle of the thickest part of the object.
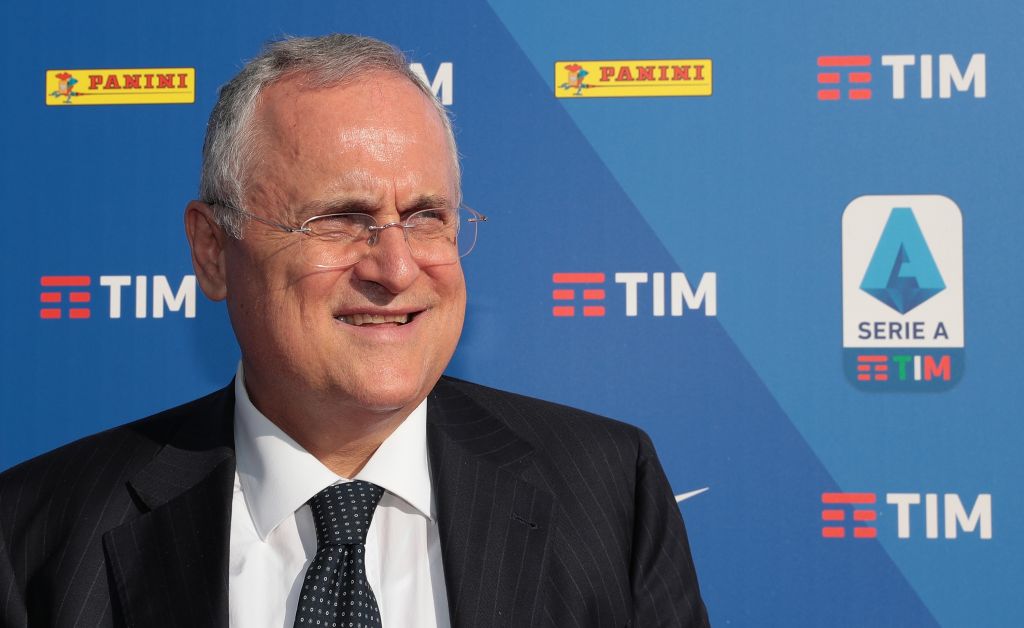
(493, 524)
(170, 564)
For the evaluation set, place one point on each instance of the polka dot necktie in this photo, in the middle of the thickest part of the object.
(335, 591)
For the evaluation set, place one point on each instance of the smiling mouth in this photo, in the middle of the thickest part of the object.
(360, 320)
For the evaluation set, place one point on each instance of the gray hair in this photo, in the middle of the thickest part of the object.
(331, 60)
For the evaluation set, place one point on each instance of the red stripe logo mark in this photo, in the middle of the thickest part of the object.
(872, 367)
(852, 67)
(848, 498)
(833, 515)
(578, 277)
(861, 515)
(563, 310)
(64, 281)
(52, 297)
(844, 62)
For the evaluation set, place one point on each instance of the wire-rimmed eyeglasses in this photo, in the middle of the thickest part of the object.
(435, 236)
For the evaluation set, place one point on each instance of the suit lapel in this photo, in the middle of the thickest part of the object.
(493, 524)
(170, 565)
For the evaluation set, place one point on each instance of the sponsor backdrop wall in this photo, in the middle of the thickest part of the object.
(783, 238)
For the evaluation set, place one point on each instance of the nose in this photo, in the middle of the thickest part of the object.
(389, 261)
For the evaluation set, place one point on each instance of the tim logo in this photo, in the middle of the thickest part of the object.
(852, 76)
(903, 314)
(71, 296)
(856, 515)
(585, 294)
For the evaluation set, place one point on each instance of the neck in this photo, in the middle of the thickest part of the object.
(342, 445)
(342, 438)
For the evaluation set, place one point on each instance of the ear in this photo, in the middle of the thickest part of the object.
(207, 239)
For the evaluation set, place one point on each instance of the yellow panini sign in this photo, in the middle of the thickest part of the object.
(132, 86)
(640, 77)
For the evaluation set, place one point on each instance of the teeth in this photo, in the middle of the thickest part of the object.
(374, 319)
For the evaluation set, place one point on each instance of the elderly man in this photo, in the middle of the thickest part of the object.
(340, 480)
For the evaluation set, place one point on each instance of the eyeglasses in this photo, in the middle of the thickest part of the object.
(433, 235)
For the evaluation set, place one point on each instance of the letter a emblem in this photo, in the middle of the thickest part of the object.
(902, 272)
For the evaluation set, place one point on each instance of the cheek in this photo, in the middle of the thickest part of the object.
(451, 287)
(450, 281)
(261, 308)
(248, 308)
(301, 305)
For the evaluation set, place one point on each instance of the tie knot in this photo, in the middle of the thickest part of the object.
(342, 512)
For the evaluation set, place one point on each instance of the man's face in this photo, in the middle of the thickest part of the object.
(375, 146)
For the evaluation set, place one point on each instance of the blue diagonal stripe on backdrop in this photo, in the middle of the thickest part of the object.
(683, 380)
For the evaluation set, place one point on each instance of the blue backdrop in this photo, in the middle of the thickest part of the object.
(743, 191)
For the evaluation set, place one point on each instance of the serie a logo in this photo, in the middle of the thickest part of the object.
(903, 304)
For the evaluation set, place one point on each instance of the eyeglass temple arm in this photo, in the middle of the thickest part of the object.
(476, 217)
(265, 221)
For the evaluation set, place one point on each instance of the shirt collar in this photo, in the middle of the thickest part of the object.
(278, 476)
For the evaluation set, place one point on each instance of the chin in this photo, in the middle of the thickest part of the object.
(390, 391)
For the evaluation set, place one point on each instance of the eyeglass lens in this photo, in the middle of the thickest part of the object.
(435, 237)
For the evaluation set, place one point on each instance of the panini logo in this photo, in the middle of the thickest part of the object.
(641, 77)
(132, 86)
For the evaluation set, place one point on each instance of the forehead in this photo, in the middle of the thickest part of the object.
(372, 94)
(377, 135)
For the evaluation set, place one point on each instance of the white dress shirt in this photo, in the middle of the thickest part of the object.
(273, 540)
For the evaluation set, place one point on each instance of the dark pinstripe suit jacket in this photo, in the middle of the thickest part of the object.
(548, 516)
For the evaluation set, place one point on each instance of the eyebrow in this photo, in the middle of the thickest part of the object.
(345, 205)
(427, 201)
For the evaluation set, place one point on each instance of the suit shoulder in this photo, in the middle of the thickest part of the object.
(115, 454)
(536, 419)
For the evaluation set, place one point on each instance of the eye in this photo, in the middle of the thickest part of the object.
(339, 226)
(436, 218)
